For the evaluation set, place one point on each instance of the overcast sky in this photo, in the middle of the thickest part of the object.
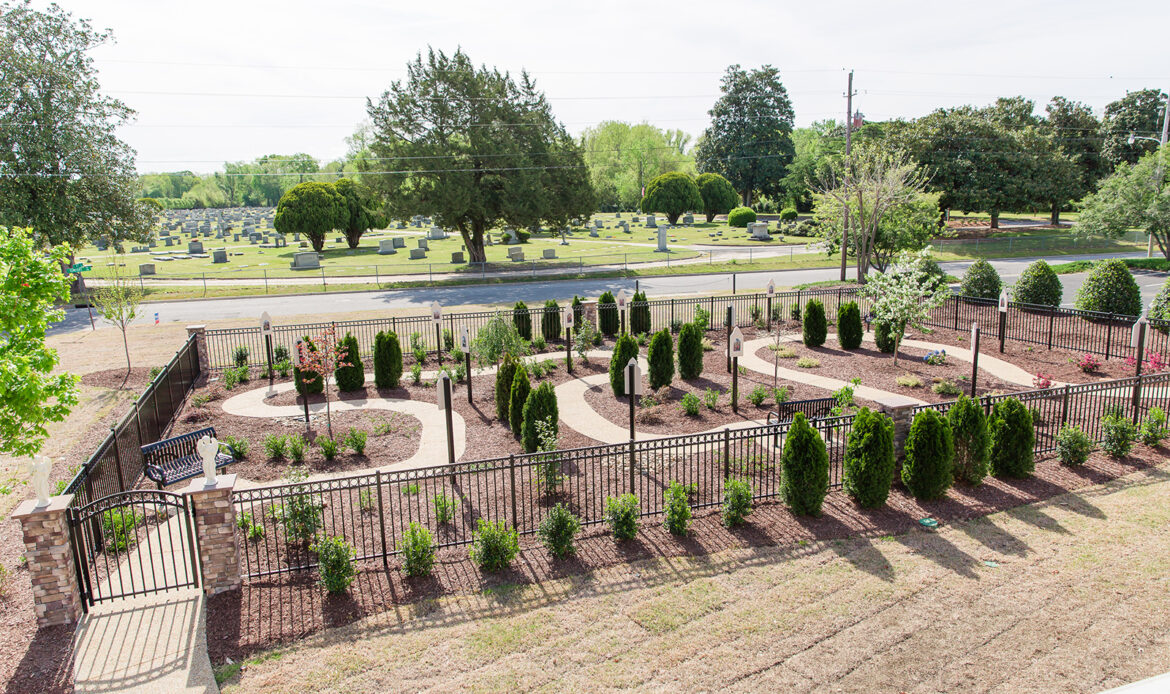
(215, 80)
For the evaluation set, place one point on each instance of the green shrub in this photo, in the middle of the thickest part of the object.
(416, 373)
(1012, 435)
(1117, 434)
(758, 395)
(540, 406)
(737, 502)
(781, 394)
(280, 353)
(1073, 446)
(578, 313)
(946, 388)
(981, 281)
(869, 458)
(788, 214)
(307, 382)
(607, 314)
(624, 350)
(690, 404)
(710, 398)
(815, 327)
(885, 336)
(521, 387)
(550, 321)
(448, 340)
(355, 440)
(234, 375)
(677, 507)
(1153, 430)
(296, 448)
(522, 320)
(621, 513)
(238, 445)
(351, 377)
(239, 357)
(690, 351)
(493, 545)
(329, 447)
(969, 430)
(930, 449)
(661, 358)
(1038, 284)
(804, 468)
(558, 530)
(118, 526)
(283, 367)
(275, 446)
(1160, 307)
(387, 360)
(445, 507)
(639, 314)
(300, 514)
(741, 217)
(335, 563)
(808, 363)
(849, 328)
(505, 374)
(1110, 288)
(418, 551)
(702, 319)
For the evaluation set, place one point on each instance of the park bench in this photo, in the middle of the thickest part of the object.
(814, 408)
(175, 459)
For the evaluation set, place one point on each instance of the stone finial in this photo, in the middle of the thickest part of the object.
(207, 448)
(38, 470)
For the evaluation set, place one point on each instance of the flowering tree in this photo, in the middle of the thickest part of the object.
(906, 295)
(322, 360)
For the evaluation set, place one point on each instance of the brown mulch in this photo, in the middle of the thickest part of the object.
(118, 379)
(265, 613)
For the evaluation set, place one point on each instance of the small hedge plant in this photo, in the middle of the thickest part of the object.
(624, 350)
(741, 217)
(969, 427)
(550, 321)
(661, 358)
(927, 471)
(737, 502)
(639, 314)
(885, 336)
(678, 508)
(1038, 284)
(1117, 434)
(558, 530)
(981, 281)
(352, 376)
(607, 314)
(540, 406)
(804, 468)
(690, 351)
(503, 392)
(522, 320)
(418, 551)
(1012, 435)
(815, 326)
(1152, 431)
(1110, 288)
(493, 545)
(849, 328)
(621, 513)
(387, 360)
(869, 458)
(521, 387)
(335, 563)
(1073, 446)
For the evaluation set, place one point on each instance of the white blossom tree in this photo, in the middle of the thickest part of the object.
(906, 295)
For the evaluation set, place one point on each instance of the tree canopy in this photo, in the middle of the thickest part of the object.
(717, 193)
(1132, 197)
(312, 208)
(672, 194)
(622, 157)
(1137, 112)
(360, 209)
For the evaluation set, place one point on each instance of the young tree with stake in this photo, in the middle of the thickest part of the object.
(322, 361)
(906, 295)
(117, 301)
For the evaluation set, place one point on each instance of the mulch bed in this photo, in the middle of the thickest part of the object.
(266, 613)
(118, 379)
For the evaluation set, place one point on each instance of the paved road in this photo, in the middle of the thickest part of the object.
(205, 310)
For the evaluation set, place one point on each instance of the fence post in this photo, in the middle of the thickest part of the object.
(1109, 338)
(117, 461)
(726, 453)
(512, 475)
(215, 527)
(956, 312)
(632, 485)
(1064, 406)
(1051, 320)
(52, 565)
(381, 518)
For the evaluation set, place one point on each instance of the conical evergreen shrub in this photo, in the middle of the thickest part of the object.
(607, 314)
(639, 314)
(815, 325)
(352, 377)
(307, 382)
(521, 387)
(540, 406)
(690, 351)
(504, 376)
(387, 360)
(869, 458)
(969, 430)
(522, 320)
(1012, 436)
(927, 470)
(623, 350)
(660, 356)
(550, 321)
(849, 328)
(804, 468)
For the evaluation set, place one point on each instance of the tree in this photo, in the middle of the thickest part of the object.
(1137, 112)
(672, 194)
(361, 214)
(690, 351)
(813, 147)
(313, 209)
(869, 458)
(1072, 125)
(1132, 197)
(117, 301)
(622, 157)
(930, 450)
(31, 286)
(322, 357)
(906, 295)
(1110, 288)
(660, 358)
(474, 177)
(969, 427)
(749, 140)
(717, 193)
(804, 468)
(66, 173)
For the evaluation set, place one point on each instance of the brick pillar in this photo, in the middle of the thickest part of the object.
(50, 560)
(589, 311)
(215, 527)
(200, 333)
(902, 414)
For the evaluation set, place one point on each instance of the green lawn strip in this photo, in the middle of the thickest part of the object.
(1156, 264)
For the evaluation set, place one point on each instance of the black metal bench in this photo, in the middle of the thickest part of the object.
(814, 408)
(175, 459)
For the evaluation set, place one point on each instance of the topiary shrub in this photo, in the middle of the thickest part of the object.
(969, 430)
(849, 328)
(504, 375)
(741, 217)
(788, 214)
(804, 468)
(493, 545)
(624, 349)
(1110, 288)
(885, 336)
(521, 387)
(1012, 435)
(981, 281)
(387, 360)
(540, 406)
(522, 320)
(351, 377)
(690, 351)
(869, 458)
(307, 382)
(930, 449)
(1038, 284)
(335, 563)
(639, 314)
(550, 321)
(557, 531)
(661, 358)
(607, 314)
(815, 327)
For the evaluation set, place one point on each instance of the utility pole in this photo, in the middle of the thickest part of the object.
(848, 149)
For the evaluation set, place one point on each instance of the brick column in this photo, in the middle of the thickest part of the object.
(902, 414)
(215, 527)
(200, 333)
(50, 560)
(589, 311)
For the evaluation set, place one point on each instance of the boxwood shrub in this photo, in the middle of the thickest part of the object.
(1038, 284)
(981, 281)
(1110, 288)
(741, 217)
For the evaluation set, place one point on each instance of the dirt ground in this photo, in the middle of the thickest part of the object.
(1035, 599)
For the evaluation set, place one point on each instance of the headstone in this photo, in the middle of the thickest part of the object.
(398, 242)
(688, 219)
(618, 215)
(422, 243)
(550, 253)
(102, 245)
(593, 233)
(517, 256)
(146, 269)
(194, 247)
(386, 247)
(625, 226)
(759, 231)
(637, 219)
(512, 236)
(436, 234)
(170, 241)
(661, 240)
(417, 253)
(597, 223)
(650, 223)
(457, 257)
(219, 256)
(306, 261)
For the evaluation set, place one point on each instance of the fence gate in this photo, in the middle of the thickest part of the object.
(134, 542)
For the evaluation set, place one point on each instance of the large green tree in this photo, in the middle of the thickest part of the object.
(1137, 112)
(360, 209)
(312, 208)
(1072, 126)
(717, 193)
(475, 149)
(813, 146)
(1135, 196)
(672, 194)
(749, 140)
(622, 157)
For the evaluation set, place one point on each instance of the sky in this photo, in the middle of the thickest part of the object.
(214, 81)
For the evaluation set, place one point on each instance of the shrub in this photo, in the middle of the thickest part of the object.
(418, 551)
(558, 530)
(275, 446)
(522, 320)
(585, 338)
(301, 513)
(885, 336)
(283, 367)
(448, 340)
(355, 440)
(1073, 446)
(908, 381)
(849, 328)
(505, 374)
(639, 314)
(1088, 362)
(1160, 306)
(702, 318)
(758, 395)
(710, 398)
(239, 357)
(578, 312)
(387, 360)
(1117, 434)
(521, 387)
(788, 214)
(741, 217)
(780, 394)
(307, 382)
(296, 448)
(930, 449)
(445, 507)
(621, 513)
(690, 404)
(661, 358)
(869, 458)
(329, 447)
(351, 377)
(550, 321)
(783, 351)
(815, 327)
(946, 388)
(539, 344)
(495, 339)
(677, 508)
(808, 363)
(1038, 284)
(335, 563)
(1110, 288)
(540, 406)
(494, 545)
(1012, 435)
(607, 314)
(118, 525)
(737, 502)
(239, 446)
(804, 468)
(981, 281)
(624, 350)
(690, 351)
(280, 353)
(970, 435)
(1153, 430)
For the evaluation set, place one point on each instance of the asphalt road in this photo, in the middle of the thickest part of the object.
(207, 310)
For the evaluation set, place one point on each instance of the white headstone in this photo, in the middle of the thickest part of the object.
(736, 343)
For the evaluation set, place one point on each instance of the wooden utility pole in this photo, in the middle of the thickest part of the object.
(848, 148)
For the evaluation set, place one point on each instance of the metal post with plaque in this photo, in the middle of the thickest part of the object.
(437, 319)
(735, 343)
(633, 388)
(569, 338)
(974, 355)
(622, 302)
(771, 292)
(730, 323)
(1138, 340)
(465, 347)
(266, 332)
(444, 395)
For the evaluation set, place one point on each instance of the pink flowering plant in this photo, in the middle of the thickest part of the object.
(1088, 362)
(1041, 380)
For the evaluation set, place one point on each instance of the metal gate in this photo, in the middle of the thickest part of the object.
(135, 542)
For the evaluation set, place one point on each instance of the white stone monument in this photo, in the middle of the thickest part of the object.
(661, 241)
(207, 448)
(38, 471)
